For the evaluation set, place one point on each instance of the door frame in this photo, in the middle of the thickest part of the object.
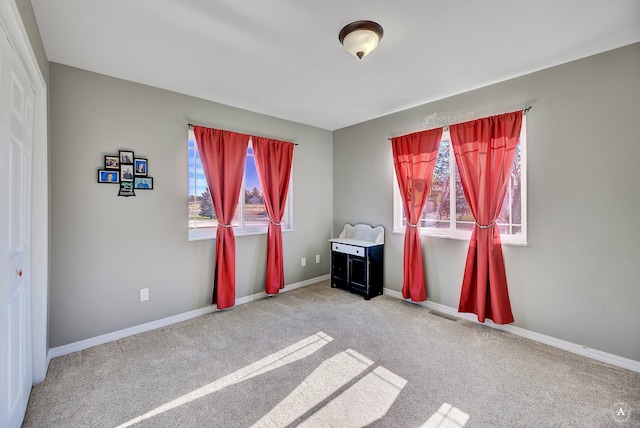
(11, 21)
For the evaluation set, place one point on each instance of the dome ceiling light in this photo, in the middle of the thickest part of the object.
(360, 37)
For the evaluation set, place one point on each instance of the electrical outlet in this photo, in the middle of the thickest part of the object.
(303, 261)
(144, 294)
(317, 258)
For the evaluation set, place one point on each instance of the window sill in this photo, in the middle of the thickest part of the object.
(461, 237)
(207, 235)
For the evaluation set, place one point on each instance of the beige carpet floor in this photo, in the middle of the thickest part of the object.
(318, 356)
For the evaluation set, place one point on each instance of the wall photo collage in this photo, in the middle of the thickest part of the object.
(128, 171)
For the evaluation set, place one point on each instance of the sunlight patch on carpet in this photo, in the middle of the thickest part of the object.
(329, 377)
(362, 404)
(447, 416)
(288, 355)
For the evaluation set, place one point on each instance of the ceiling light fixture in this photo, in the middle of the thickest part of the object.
(360, 37)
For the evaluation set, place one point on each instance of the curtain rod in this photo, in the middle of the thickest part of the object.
(190, 125)
(446, 127)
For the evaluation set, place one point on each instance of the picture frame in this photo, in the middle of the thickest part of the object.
(143, 183)
(126, 172)
(140, 167)
(126, 157)
(108, 176)
(111, 162)
(126, 189)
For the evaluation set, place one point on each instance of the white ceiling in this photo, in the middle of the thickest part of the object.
(283, 58)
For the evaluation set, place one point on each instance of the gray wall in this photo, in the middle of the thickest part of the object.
(576, 280)
(33, 32)
(579, 277)
(104, 248)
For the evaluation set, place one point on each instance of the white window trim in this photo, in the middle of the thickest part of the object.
(465, 235)
(287, 218)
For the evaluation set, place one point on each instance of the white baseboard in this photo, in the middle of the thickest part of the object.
(109, 337)
(548, 340)
(542, 338)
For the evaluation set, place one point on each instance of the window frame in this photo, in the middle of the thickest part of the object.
(240, 229)
(453, 233)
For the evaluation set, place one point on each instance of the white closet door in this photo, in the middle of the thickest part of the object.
(16, 136)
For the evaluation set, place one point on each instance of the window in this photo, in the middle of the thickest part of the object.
(446, 213)
(250, 216)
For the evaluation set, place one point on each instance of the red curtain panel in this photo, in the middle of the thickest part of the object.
(223, 155)
(273, 162)
(485, 150)
(414, 158)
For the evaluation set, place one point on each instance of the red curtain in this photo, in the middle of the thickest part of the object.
(485, 150)
(273, 161)
(414, 158)
(223, 155)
